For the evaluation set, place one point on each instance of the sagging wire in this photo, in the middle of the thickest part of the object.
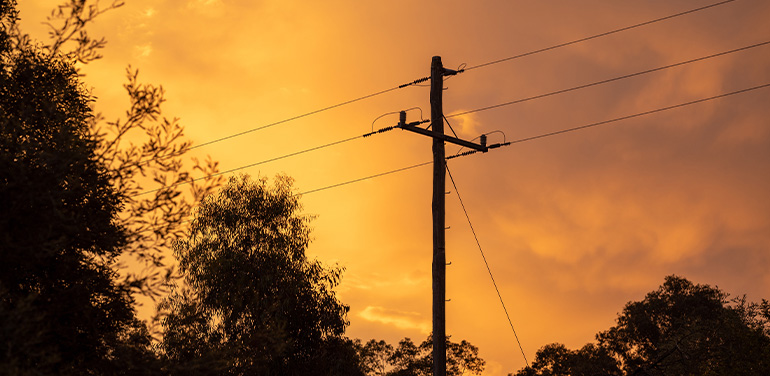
(395, 113)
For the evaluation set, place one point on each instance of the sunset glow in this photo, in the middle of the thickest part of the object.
(573, 225)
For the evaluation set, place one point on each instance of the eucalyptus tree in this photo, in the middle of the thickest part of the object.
(250, 298)
(682, 328)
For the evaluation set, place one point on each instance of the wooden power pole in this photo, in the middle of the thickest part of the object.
(439, 209)
(439, 212)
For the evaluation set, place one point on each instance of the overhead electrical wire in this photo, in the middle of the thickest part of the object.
(249, 165)
(567, 130)
(486, 264)
(291, 119)
(365, 178)
(381, 130)
(415, 82)
(608, 80)
(423, 79)
(495, 146)
(450, 156)
(526, 139)
(574, 88)
(597, 35)
(338, 184)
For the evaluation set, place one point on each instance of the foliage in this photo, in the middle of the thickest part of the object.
(684, 328)
(680, 329)
(252, 297)
(75, 15)
(408, 359)
(144, 154)
(375, 356)
(556, 359)
(62, 310)
(69, 190)
(153, 179)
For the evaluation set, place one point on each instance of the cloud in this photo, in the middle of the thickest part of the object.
(144, 50)
(406, 282)
(466, 125)
(399, 319)
(213, 8)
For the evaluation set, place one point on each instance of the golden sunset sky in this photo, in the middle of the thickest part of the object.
(573, 226)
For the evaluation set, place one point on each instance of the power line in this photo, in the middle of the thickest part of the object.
(250, 165)
(328, 186)
(597, 35)
(487, 264)
(637, 114)
(381, 130)
(494, 146)
(459, 154)
(415, 82)
(423, 79)
(608, 80)
(291, 118)
(365, 178)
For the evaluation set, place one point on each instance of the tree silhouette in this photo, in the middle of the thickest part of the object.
(680, 329)
(251, 296)
(62, 311)
(151, 172)
(556, 360)
(378, 358)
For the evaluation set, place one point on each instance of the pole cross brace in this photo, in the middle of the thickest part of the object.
(412, 127)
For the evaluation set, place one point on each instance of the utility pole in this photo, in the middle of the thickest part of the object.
(439, 213)
(438, 72)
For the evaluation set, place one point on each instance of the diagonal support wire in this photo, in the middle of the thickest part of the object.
(487, 264)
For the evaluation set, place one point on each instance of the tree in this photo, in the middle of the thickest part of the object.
(408, 359)
(63, 313)
(374, 356)
(685, 328)
(72, 204)
(680, 329)
(158, 188)
(556, 359)
(251, 297)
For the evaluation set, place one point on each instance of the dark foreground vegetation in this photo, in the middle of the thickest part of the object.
(79, 203)
(681, 328)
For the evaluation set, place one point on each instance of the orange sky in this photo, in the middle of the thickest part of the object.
(573, 225)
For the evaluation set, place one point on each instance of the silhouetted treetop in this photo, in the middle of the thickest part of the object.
(681, 328)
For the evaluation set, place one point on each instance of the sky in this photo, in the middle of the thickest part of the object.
(573, 226)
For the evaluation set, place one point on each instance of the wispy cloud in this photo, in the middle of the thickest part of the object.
(399, 319)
